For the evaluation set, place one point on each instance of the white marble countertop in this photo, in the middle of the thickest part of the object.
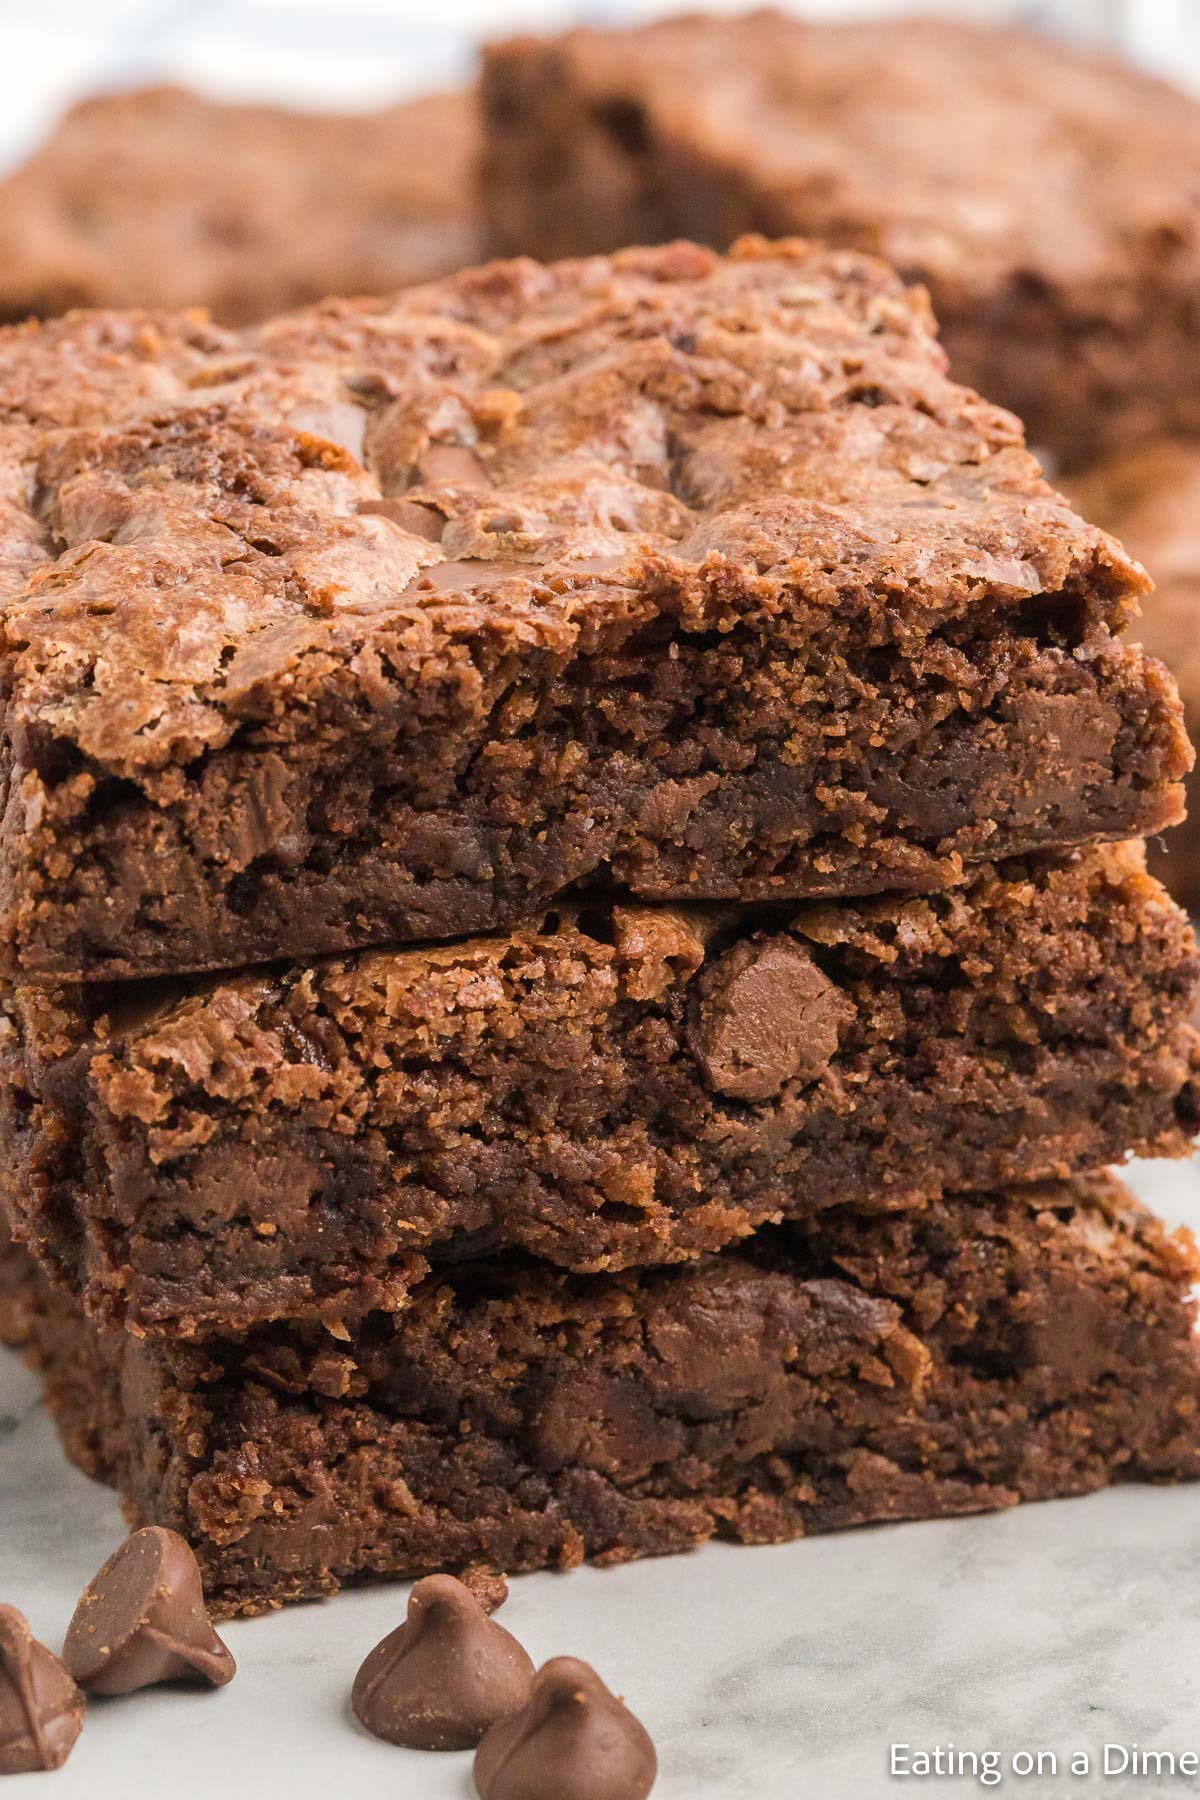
(763, 1674)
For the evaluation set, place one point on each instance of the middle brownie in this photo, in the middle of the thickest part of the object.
(607, 1087)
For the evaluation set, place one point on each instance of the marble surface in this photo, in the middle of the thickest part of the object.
(763, 1674)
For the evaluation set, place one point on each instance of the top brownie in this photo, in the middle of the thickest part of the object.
(1050, 199)
(392, 620)
(159, 197)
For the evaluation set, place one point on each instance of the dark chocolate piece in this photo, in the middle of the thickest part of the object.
(572, 1740)
(143, 1620)
(41, 1709)
(443, 1677)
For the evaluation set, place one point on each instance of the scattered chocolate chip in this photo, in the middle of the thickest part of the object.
(444, 1676)
(41, 1709)
(763, 1015)
(143, 1620)
(572, 1740)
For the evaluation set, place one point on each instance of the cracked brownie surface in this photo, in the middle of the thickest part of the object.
(611, 1086)
(1034, 1344)
(160, 197)
(1050, 199)
(392, 620)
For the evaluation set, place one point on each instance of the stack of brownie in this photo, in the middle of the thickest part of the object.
(573, 952)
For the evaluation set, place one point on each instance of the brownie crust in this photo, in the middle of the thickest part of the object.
(395, 620)
(619, 1085)
(1150, 497)
(1047, 198)
(915, 1365)
(160, 197)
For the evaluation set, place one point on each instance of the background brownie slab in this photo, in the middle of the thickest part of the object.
(1151, 496)
(698, 572)
(1050, 200)
(912, 1365)
(625, 1085)
(161, 198)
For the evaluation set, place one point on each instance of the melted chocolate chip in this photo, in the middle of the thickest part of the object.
(763, 1015)
(143, 1620)
(444, 1676)
(41, 1709)
(572, 1740)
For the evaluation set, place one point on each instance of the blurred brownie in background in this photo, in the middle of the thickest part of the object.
(159, 197)
(1151, 497)
(1049, 199)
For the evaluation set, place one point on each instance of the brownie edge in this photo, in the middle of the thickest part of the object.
(612, 1085)
(1038, 1344)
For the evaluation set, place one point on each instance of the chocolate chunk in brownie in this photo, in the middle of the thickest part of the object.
(160, 197)
(1048, 198)
(1151, 496)
(613, 1086)
(718, 588)
(905, 1365)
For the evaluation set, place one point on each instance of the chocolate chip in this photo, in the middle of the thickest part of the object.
(41, 1709)
(763, 1015)
(572, 1740)
(143, 1620)
(443, 1677)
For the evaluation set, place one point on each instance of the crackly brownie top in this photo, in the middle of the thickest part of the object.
(199, 528)
(973, 155)
(160, 197)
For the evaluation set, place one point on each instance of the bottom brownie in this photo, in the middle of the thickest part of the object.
(850, 1370)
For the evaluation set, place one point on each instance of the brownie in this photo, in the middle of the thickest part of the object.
(1048, 198)
(614, 1085)
(159, 197)
(394, 620)
(1151, 496)
(910, 1365)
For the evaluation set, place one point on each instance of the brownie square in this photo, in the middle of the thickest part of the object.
(395, 620)
(614, 1085)
(1033, 1344)
(161, 197)
(1048, 198)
